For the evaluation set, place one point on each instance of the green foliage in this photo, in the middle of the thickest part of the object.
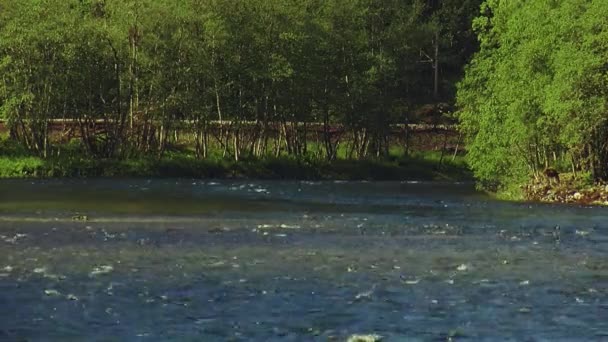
(535, 95)
(128, 72)
(20, 167)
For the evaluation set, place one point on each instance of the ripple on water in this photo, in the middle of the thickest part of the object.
(340, 259)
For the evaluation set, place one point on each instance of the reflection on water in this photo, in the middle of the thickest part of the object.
(176, 259)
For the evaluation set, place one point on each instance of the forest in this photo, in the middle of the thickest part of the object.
(144, 67)
(115, 79)
(526, 82)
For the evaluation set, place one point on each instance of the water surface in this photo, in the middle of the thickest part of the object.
(295, 261)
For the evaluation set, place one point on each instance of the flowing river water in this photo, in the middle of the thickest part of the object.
(150, 260)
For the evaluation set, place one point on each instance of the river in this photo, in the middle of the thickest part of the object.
(154, 260)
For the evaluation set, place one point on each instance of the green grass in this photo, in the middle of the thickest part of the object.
(21, 167)
(181, 163)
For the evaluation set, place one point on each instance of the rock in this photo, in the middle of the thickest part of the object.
(40, 270)
(101, 270)
(463, 268)
(14, 239)
(52, 293)
(82, 218)
(287, 226)
(365, 338)
(280, 226)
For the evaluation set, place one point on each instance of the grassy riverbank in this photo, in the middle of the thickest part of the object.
(15, 163)
(421, 167)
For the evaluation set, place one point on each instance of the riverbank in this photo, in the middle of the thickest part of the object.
(568, 190)
(423, 167)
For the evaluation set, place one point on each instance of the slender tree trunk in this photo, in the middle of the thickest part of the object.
(436, 68)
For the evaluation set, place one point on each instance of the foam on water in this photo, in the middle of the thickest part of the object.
(295, 260)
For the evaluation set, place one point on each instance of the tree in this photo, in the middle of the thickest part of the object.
(534, 96)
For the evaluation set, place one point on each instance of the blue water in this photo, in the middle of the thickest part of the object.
(181, 260)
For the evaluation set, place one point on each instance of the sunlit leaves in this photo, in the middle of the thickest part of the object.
(537, 88)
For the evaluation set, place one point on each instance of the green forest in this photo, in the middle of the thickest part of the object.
(536, 94)
(523, 84)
